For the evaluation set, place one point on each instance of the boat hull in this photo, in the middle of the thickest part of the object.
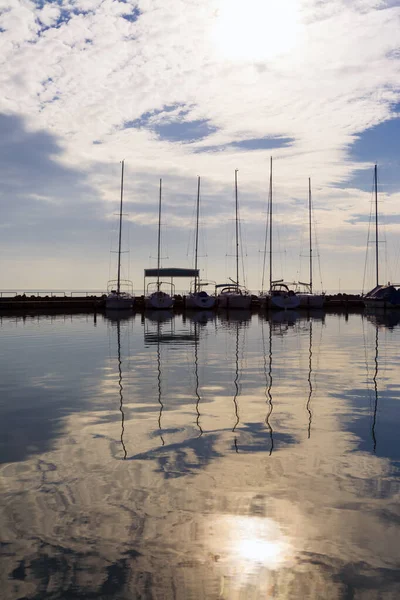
(159, 301)
(380, 304)
(279, 302)
(114, 302)
(285, 302)
(197, 301)
(236, 301)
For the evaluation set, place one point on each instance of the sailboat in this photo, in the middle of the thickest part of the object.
(304, 291)
(381, 296)
(198, 298)
(233, 295)
(279, 295)
(159, 299)
(116, 298)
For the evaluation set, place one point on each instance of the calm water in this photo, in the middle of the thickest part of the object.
(201, 457)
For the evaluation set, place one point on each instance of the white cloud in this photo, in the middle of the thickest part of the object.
(80, 70)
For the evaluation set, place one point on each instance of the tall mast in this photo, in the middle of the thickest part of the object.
(310, 232)
(237, 229)
(376, 224)
(197, 232)
(120, 231)
(270, 225)
(159, 238)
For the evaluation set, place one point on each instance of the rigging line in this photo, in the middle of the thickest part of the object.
(266, 240)
(368, 237)
(121, 398)
(191, 242)
(268, 384)
(196, 375)
(309, 384)
(375, 390)
(241, 251)
(318, 251)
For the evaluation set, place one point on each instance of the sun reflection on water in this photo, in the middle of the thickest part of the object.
(249, 550)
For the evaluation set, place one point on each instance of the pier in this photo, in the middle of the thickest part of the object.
(92, 302)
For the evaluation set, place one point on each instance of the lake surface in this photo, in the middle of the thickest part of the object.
(200, 457)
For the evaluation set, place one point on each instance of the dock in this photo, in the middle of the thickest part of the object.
(91, 303)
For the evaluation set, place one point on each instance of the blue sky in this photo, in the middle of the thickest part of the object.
(196, 88)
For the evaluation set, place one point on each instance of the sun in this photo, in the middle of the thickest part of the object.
(256, 30)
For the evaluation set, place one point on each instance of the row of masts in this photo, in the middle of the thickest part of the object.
(269, 222)
(270, 214)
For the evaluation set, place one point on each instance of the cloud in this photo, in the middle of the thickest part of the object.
(145, 81)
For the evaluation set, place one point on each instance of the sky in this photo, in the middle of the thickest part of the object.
(190, 88)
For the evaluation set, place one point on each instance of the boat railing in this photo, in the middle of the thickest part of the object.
(125, 285)
(231, 287)
(200, 284)
(158, 285)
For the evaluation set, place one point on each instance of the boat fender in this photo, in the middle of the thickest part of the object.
(291, 293)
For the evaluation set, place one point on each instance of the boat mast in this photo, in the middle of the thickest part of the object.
(159, 238)
(270, 226)
(120, 231)
(310, 232)
(237, 229)
(376, 224)
(197, 233)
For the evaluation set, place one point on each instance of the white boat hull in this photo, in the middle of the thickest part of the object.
(159, 301)
(198, 301)
(285, 302)
(234, 301)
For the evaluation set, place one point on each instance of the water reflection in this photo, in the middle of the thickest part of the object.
(375, 380)
(309, 383)
(236, 385)
(268, 384)
(250, 550)
(389, 318)
(290, 515)
(115, 318)
(201, 316)
(232, 315)
(196, 377)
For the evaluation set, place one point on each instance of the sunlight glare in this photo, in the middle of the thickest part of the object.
(256, 30)
(261, 551)
(250, 542)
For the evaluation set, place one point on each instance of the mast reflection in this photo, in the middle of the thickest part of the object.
(375, 380)
(115, 319)
(236, 384)
(377, 321)
(308, 405)
(196, 378)
(160, 402)
(169, 336)
(268, 382)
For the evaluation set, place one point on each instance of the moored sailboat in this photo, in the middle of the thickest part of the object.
(118, 299)
(159, 299)
(304, 291)
(234, 295)
(279, 295)
(198, 297)
(381, 296)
